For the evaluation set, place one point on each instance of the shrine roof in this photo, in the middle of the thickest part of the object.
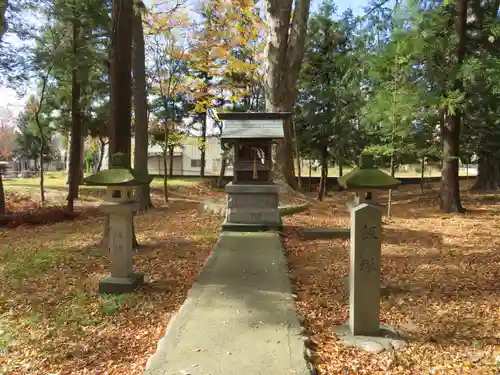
(238, 125)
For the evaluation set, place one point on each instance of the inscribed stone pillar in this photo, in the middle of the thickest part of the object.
(121, 244)
(364, 280)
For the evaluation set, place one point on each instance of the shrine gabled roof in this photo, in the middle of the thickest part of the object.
(237, 125)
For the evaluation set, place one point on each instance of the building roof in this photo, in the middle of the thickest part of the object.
(239, 125)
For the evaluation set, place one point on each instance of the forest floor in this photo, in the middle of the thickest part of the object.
(52, 320)
(443, 277)
(442, 271)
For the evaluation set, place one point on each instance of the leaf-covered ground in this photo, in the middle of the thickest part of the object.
(52, 321)
(443, 277)
(442, 272)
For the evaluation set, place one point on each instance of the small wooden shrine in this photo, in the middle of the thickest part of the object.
(252, 136)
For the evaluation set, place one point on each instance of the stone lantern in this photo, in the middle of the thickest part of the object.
(252, 197)
(120, 204)
(364, 180)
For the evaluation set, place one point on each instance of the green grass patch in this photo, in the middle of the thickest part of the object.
(76, 312)
(51, 179)
(18, 264)
(286, 210)
(413, 172)
(175, 182)
(205, 235)
(110, 304)
(7, 336)
(57, 180)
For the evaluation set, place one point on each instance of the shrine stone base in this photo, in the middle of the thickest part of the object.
(252, 208)
(119, 285)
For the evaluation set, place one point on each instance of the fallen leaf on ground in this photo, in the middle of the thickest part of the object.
(442, 277)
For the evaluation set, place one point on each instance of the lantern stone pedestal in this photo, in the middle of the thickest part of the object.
(252, 208)
(122, 278)
(120, 204)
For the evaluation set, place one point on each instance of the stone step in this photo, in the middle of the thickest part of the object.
(243, 227)
(325, 233)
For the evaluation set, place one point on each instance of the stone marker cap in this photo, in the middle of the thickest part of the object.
(119, 174)
(367, 177)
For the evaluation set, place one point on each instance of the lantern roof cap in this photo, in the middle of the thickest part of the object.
(119, 174)
(367, 177)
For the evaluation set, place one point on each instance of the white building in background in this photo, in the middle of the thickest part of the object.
(186, 159)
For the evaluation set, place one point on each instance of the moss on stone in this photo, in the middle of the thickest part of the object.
(366, 177)
(119, 174)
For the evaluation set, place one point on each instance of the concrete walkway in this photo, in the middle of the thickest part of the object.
(239, 318)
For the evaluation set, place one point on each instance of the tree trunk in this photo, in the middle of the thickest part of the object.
(324, 174)
(450, 182)
(165, 172)
(105, 248)
(171, 162)
(222, 173)
(325, 185)
(203, 145)
(3, 21)
(488, 174)
(82, 158)
(102, 147)
(319, 192)
(42, 190)
(165, 185)
(310, 175)
(76, 146)
(284, 52)
(140, 108)
(285, 165)
(68, 158)
(449, 192)
(389, 198)
(422, 174)
(121, 81)
(40, 130)
(297, 157)
(2, 196)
